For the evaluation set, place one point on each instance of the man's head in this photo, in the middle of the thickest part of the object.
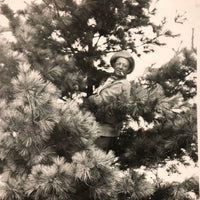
(123, 63)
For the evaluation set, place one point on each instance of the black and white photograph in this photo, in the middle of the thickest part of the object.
(99, 100)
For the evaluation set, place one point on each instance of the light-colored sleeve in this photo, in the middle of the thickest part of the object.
(111, 93)
(126, 89)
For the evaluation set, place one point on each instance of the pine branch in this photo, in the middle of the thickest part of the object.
(32, 111)
(97, 41)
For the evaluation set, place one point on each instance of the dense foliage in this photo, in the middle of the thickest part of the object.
(47, 148)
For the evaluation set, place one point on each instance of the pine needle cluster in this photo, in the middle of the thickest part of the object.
(47, 147)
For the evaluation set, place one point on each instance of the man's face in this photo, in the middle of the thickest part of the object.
(122, 67)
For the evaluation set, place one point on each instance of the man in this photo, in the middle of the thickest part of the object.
(116, 88)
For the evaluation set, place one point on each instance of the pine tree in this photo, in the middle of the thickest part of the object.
(47, 148)
(169, 129)
(8, 69)
(47, 143)
(81, 34)
(178, 75)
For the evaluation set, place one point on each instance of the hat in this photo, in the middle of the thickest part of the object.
(126, 55)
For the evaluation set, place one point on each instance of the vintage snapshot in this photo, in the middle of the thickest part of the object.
(98, 100)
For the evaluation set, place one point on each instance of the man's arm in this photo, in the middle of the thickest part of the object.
(109, 94)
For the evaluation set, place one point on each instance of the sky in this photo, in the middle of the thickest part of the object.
(168, 9)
